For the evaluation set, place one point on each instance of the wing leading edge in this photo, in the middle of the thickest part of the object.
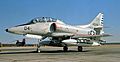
(78, 35)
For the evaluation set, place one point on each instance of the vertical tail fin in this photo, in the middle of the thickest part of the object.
(97, 24)
(97, 21)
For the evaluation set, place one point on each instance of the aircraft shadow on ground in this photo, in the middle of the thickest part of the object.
(55, 51)
(61, 51)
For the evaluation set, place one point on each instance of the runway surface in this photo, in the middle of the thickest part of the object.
(106, 53)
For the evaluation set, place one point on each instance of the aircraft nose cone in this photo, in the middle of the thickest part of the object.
(6, 30)
(15, 30)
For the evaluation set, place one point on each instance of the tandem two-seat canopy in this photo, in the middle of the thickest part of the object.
(43, 19)
(40, 20)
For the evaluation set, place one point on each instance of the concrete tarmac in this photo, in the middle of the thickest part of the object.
(105, 53)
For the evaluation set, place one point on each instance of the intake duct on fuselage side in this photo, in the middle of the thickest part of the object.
(52, 27)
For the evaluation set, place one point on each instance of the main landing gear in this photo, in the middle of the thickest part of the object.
(65, 48)
(80, 48)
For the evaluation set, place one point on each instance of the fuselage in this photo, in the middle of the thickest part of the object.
(61, 34)
(47, 27)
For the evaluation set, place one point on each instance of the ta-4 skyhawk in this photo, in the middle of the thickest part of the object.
(61, 34)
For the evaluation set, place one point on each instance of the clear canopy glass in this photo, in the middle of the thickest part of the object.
(40, 20)
(43, 19)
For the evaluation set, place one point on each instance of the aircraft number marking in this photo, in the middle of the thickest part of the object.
(26, 28)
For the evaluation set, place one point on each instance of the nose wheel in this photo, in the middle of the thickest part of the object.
(38, 50)
(38, 47)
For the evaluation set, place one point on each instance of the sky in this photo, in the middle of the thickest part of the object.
(80, 12)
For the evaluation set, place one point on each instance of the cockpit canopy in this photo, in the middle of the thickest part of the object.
(42, 19)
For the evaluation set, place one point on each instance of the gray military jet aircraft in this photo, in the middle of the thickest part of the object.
(61, 34)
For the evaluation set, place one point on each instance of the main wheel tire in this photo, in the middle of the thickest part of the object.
(80, 49)
(65, 48)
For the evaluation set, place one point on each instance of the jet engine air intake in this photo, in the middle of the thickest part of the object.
(53, 27)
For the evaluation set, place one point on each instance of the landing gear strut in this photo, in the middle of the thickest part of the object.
(65, 48)
(38, 47)
(80, 49)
